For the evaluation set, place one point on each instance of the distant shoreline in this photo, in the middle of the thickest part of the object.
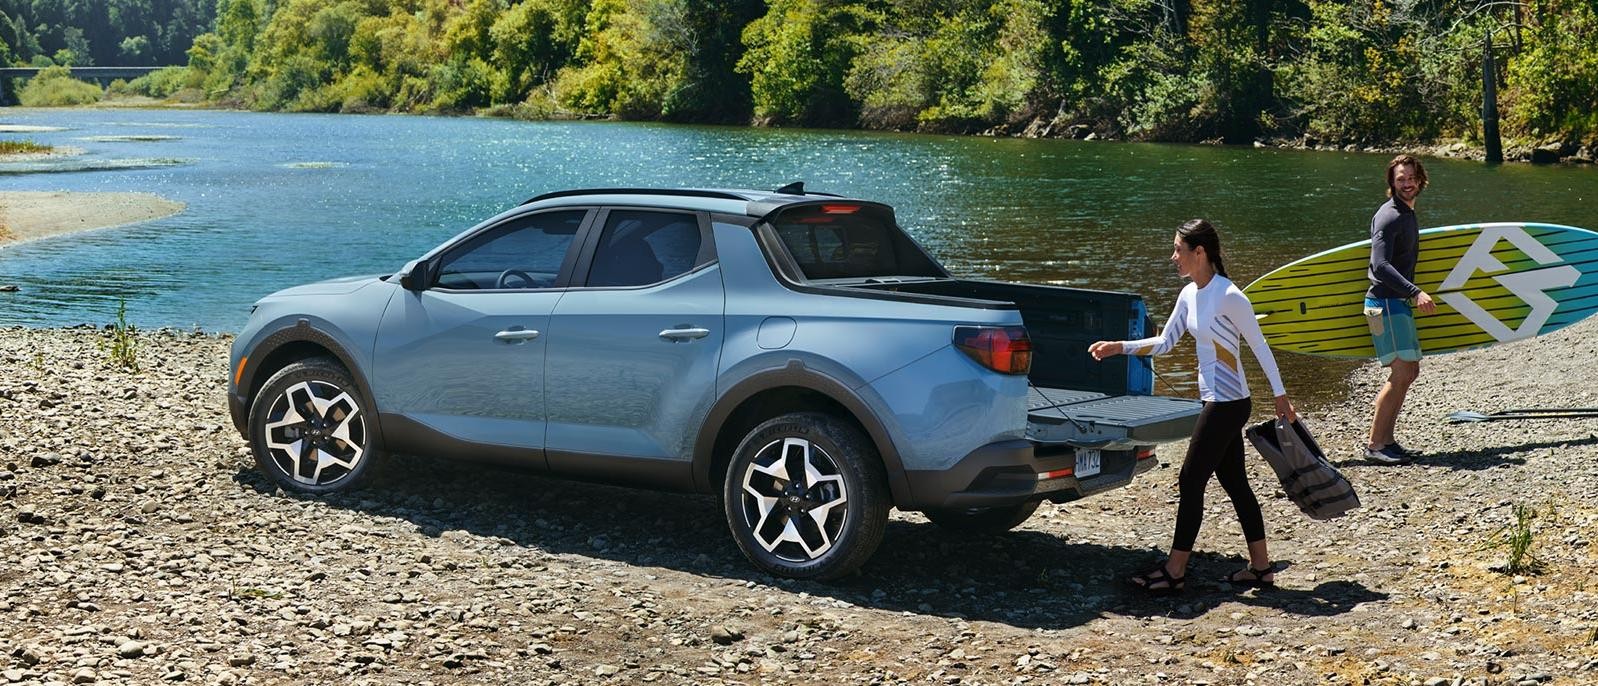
(31, 215)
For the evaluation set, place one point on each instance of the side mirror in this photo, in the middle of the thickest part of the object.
(415, 276)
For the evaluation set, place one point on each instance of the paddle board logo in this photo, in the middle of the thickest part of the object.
(1529, 286)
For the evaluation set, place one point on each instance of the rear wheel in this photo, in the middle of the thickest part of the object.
(805, 497)
(308, 428)
(983, 520)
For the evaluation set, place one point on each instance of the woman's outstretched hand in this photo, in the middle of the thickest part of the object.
(1103, 349)
(1284, 409)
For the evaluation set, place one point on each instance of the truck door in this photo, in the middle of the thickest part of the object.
(634, 348)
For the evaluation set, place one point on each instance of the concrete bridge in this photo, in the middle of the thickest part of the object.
(101, 75)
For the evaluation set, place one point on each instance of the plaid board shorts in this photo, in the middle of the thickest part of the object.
(1392, 326)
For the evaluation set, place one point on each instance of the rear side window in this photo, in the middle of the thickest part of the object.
(638, 248)
(850, 241)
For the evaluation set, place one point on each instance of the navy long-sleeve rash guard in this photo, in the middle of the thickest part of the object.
(1395, 245)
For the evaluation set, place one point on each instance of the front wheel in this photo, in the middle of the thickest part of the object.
(309, 428)
(805, 497)
(983, 520)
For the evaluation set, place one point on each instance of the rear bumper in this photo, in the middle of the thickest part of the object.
(1013, 472)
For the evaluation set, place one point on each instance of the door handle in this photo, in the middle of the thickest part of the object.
(688, 334)
(516, 335)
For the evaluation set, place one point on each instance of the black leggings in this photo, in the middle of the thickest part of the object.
(1217, 448)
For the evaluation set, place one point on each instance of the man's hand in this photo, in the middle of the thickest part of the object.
(1425, 304)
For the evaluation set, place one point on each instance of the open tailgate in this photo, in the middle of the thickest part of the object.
(1090, 419)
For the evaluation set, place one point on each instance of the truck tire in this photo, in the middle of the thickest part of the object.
(983, 520)
(308, 428)
(805, 497)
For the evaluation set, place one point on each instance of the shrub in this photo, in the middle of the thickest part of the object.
(162, 83)
(55, 87)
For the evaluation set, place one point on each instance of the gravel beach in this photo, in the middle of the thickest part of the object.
(140, 546)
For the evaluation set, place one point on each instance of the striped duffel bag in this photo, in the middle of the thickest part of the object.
(1312, 482)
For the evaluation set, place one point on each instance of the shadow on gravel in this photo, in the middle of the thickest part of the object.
(1473, 460)
(1023, 578)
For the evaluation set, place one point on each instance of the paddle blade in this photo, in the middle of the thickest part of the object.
(1467, 416)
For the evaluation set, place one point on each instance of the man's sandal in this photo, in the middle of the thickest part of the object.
(1251, 577)
(1157, 581)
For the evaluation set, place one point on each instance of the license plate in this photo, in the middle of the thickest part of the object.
(1087, 462)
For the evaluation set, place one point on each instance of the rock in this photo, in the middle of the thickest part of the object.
(606, 670)
(724, 635)
(84, 676)
(241, 660)
(1546, 154)
(30, 655)
(131, 649)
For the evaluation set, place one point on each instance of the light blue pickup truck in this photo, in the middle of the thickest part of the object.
(796, 354)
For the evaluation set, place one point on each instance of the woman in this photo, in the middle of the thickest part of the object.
(1219, 317)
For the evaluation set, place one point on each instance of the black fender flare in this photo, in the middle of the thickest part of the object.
(302, 331)
(796, 374)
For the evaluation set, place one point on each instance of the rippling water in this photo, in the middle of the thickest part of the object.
(280, 199)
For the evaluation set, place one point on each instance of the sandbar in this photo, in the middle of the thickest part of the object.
(29, 215)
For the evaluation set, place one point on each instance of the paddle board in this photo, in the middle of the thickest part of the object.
(1492, 283)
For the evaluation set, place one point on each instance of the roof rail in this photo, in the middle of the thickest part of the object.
(687, 192)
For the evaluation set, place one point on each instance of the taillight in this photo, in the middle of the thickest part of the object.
(1004, 349)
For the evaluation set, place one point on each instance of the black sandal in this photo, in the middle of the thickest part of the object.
(1147, 580)
(1251, 577)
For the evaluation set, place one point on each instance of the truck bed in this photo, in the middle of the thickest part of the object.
(1075, 399)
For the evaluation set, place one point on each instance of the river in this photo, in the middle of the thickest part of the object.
(280, 199)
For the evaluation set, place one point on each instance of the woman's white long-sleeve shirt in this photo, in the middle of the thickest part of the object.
(1220, 317)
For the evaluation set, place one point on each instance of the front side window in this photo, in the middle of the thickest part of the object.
(526, 252)
(638, 248)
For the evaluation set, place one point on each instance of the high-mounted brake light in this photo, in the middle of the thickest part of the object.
(1004, 349)
(839, 209)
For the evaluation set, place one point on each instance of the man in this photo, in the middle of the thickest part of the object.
(1395, 245)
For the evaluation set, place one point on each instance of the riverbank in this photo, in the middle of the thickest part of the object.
(145, 547)
(1513, 151)
(29, 215)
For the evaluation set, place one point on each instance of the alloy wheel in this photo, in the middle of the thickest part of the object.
(794, 499)
(316, 433)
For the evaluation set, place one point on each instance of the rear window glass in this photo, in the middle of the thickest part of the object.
(850, 241)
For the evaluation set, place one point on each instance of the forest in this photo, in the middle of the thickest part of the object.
(84, 33)
(1344, 72)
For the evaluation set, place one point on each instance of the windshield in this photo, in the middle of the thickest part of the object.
(845, 240)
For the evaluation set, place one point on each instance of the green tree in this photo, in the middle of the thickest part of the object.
(531, 41)
(797, 56)
(1552, 86)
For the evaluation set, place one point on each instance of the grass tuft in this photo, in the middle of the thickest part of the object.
(1517, 539)
(22, 147)
(120, 345)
